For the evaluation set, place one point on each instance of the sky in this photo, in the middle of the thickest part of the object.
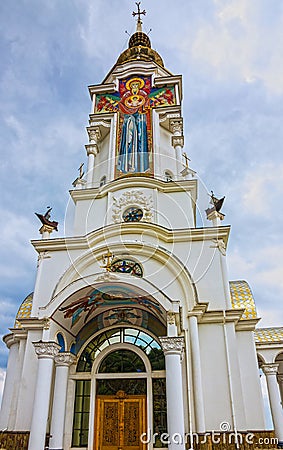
(230, 53)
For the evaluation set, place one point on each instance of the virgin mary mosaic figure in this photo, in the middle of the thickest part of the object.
(133, 156)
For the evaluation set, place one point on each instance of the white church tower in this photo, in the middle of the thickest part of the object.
(134, 338)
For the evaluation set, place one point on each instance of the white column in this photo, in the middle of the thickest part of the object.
(46, 351)
(270, 371)
(11, 374)
(176, 127)
(62, 362)
(18, 368)
(92, 150)
(90, 165)
(173, 348)
(196, 375)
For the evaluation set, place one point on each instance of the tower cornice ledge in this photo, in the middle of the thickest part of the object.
(95, 238)
(136, 182)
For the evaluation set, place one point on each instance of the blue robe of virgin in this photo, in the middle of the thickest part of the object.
(133, 151)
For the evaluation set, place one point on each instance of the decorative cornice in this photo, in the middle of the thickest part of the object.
(10, 340)
(65, 359)
(138, 182)
(172, 344)
(247, 324)
(101, 89)
(30, 323)
(46, 349)
(110, 231)
(270, 369)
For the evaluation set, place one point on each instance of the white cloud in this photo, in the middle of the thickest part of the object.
(237, 45)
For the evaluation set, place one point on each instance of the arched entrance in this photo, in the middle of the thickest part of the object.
(120, 390)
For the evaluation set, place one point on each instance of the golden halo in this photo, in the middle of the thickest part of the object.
(139, 80)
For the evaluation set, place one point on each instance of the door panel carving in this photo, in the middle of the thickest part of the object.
(120, 421)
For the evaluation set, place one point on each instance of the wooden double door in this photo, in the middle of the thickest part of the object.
(120, 421)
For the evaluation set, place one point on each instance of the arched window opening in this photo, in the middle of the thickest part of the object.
(122, 335)
(61, 341)
(122, 361)
(127, 266)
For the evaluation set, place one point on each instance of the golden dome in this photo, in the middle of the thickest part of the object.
(24, 311)
(272, 334)
(140, 48)
(139, 38)
(242, 298)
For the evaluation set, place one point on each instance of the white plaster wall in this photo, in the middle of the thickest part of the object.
(203, 263)
(252, 394)
(53, 267)
(167, 155)
(236, 392)
(217, 406)
(175, 210)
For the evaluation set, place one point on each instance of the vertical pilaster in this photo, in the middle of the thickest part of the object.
(196, 375)
(92, 150)
(270, 371)
(46, 351)
(176, 127)
(62, 363)
(173, 349)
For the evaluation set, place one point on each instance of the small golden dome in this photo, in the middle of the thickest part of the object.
(139, 38)
(24, 311)
(242, 298)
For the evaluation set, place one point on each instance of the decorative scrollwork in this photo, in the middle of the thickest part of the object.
(132, 198)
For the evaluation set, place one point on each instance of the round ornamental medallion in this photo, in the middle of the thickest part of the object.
(132, 214)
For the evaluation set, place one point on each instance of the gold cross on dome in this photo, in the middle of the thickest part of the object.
(139, 13)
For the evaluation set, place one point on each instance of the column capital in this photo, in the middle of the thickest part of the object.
(178, 141)
(94, 134)
(92, 149)
(46, 349)
(172, 344)
(64, 359)
(270, 369)
(176, 125)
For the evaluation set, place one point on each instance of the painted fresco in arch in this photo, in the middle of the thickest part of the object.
(117, 305)
(134, 103)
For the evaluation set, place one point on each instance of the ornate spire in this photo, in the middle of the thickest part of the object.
(139, 13)
(139, 37)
